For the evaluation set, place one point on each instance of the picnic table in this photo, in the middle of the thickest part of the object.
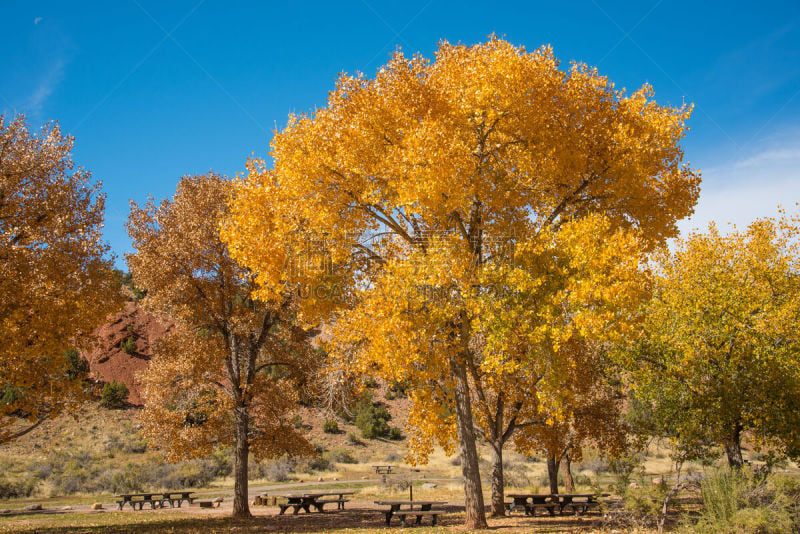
(154, 498)
(316, 499)
(530, 502)
(384, 469)
(418, 509)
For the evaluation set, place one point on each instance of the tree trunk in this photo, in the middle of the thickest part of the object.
(566, 467)
(733, 448)
(473, 492)
(241, 507)
(552, 474)
(498, 496)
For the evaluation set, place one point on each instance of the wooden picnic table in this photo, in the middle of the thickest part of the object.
(384, 469)
(530, 502)
(153, 498)
(316, 499)
(413, 508)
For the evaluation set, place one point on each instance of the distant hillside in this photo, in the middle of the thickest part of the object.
(108, 361)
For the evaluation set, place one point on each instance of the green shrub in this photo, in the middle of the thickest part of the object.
(372, 419)
(115, 395)
(15, 489)
(330, 426)
(341, 456)
(646, 501)
(128, 345)
(352, 438)
(738, 501)
(395, 433)
(370, 383)
(77, 367)
(622, 467)
(310, 464)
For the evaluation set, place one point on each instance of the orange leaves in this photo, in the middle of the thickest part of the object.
(229, 356)
(55, 283)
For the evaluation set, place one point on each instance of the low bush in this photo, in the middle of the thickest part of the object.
(370, 383)
(128, 345)
(279, 470)
(114, 395)
(15, 489)
(341, 456)
(330, 426)
(743, 502)
(352, 438)
(645, 502)
(395, 433)
(393, 457)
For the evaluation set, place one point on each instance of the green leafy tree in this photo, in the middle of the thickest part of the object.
(720, 357)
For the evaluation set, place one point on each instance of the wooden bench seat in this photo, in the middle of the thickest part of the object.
(580, 507)
(419, 514)
(530, 509)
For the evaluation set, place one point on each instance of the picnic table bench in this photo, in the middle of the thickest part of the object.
(154, 499)
(579, 503)
(418, 509)
(384, 469)
(531, 502)
(305, 501)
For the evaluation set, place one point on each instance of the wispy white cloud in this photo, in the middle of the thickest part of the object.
(49, 80)
(37, 20)
(755, 186)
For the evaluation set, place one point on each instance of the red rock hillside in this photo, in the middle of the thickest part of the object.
(108, 361)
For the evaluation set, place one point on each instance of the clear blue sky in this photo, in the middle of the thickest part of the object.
(153, 91)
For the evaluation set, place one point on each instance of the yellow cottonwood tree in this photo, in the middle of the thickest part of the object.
(56, 284)
(416, 177)
(721, 354)
(231, 370)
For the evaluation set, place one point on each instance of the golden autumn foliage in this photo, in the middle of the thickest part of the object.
(56, 285)
(428, 183)
(721, 355)
(231, 371)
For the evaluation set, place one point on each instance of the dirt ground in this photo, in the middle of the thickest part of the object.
(360, 516)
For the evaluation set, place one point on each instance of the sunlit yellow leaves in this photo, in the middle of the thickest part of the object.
(484, 210)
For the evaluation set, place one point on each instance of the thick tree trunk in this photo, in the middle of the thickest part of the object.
(566, 467)
(498, 496)
(475, 513)
(241, 508)
(552, 473)
(733, 448)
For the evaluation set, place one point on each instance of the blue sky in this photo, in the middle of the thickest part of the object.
(155, 90)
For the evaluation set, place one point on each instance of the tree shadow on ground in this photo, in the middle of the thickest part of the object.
(360, 519)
